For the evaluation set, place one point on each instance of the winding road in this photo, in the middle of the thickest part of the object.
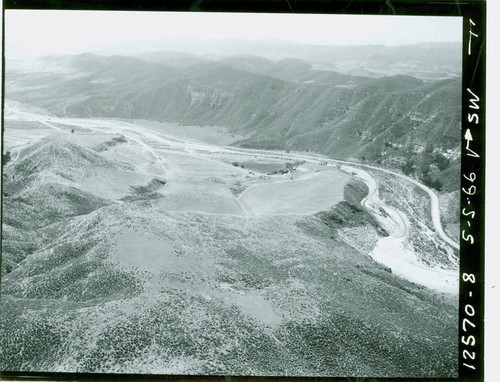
(435, 209)
(393, 251)
(127, 129)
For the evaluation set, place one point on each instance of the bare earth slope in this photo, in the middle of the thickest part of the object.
(121, 282)
(284, 104)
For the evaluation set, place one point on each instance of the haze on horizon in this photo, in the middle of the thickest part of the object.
(52, 32)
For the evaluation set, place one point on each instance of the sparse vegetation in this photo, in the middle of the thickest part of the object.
(349, 212)
(277, 271)
(127, 252)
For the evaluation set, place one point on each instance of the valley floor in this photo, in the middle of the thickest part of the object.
(129, 248)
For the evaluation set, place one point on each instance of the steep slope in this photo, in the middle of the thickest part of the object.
(44, 187)
(277, 105)
(61, 82)
(103, 280)
(218, 295)
(52, 161)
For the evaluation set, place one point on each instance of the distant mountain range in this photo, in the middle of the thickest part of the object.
(273, 295)
(400, 121)
(425, 60)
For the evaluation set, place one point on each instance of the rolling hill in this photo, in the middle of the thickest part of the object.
(283, 104)
(119, 285)
(429, 61)
(132, 246)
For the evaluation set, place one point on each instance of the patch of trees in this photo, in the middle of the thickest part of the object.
(432, 182)
(441, 161)
(436, 158)
(6, 158)
(425, 168)
(426, 163)
(408, 167)
(289, 167)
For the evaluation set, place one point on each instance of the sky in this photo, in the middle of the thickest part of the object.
(41, 32)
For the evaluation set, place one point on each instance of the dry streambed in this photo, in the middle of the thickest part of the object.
(141, 284)
(396, 251)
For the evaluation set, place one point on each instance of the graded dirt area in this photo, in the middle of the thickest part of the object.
(198, 196)
(191, 261)
(112, 183)
(307, 195)
(208, 134)
(144, 252)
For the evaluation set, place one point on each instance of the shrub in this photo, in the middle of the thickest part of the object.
(6, 157)
(441, 161)
(409, 167)
(424, 168)
(432, 182)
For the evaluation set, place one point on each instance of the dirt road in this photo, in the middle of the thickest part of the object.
(394, 251)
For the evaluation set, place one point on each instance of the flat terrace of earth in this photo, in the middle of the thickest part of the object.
(386, 120)
(246, 201)
(245, 292)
